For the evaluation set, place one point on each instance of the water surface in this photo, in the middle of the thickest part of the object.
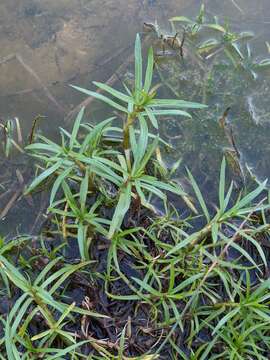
(46, 45)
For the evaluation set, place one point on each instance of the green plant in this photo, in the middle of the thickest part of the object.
(141, 101)
(178, 284)
(37, 298)
(125, 171)
(10, 130)
(222, 38)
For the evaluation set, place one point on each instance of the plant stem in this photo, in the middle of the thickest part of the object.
(126, 141)
(130, 119)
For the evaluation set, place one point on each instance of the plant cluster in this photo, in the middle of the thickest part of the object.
(151, 285)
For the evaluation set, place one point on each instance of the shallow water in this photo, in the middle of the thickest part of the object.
(46, 45)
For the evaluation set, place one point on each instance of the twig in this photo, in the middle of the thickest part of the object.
(11, 202)
(237, 6)
(37, 78)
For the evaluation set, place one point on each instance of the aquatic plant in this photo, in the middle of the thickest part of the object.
(126, 171)
(11, 130)
(138, 283)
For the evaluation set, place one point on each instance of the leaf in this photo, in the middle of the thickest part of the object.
(228, 196)
(60, 276)
(146, 158)
(214, 231)
(76, 128)
(13, 273)
(151, 117)
(153, 190)
(264, 63)
(70, 199)
(82, 240)
(252, 195)
(222, 185)
(119, 95)
(101, 168)
(19, 316)
(246, 35)
(181, 19)
(208, 45)
(175, 188)
(138, 67)
(216, 27)
(101, 97)
(93, 138)
(243, 252)
(44, 175)
(187, 282)
(121, 209)
(45, 271)
(46, 147)
(176, 104)
(252, 240)
(58, 183)
(149, 71)
(143, 141)
(146, 287)
(199, 196)
(68, 350)
(262, 315)
(170, 112)
(183, 243)
(84, 190)
(225, 319)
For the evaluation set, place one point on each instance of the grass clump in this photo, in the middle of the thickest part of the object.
(136, 283)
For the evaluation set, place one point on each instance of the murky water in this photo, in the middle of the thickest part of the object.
(46, 45)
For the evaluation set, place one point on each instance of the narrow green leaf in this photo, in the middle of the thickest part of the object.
(68, 350)
(146, 287)
(171, 112)
(214, 231)
(228, 196)
(121, 209)
(152, 117)
(143, 141)
(138, 67)
(70, 199)
(262, 315)
(189, 281)
(199, 196)
(82, 241)
(84, 190)
(225, 319)
(181, 19)
(76, 128)
(216, 27)
(113, 92)
(44, 175)
(175, 103)
(251, 196)
(149, 70)
(183, 243)
(46, 270)
(222, 185)
(101, 97)
(58, 183)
